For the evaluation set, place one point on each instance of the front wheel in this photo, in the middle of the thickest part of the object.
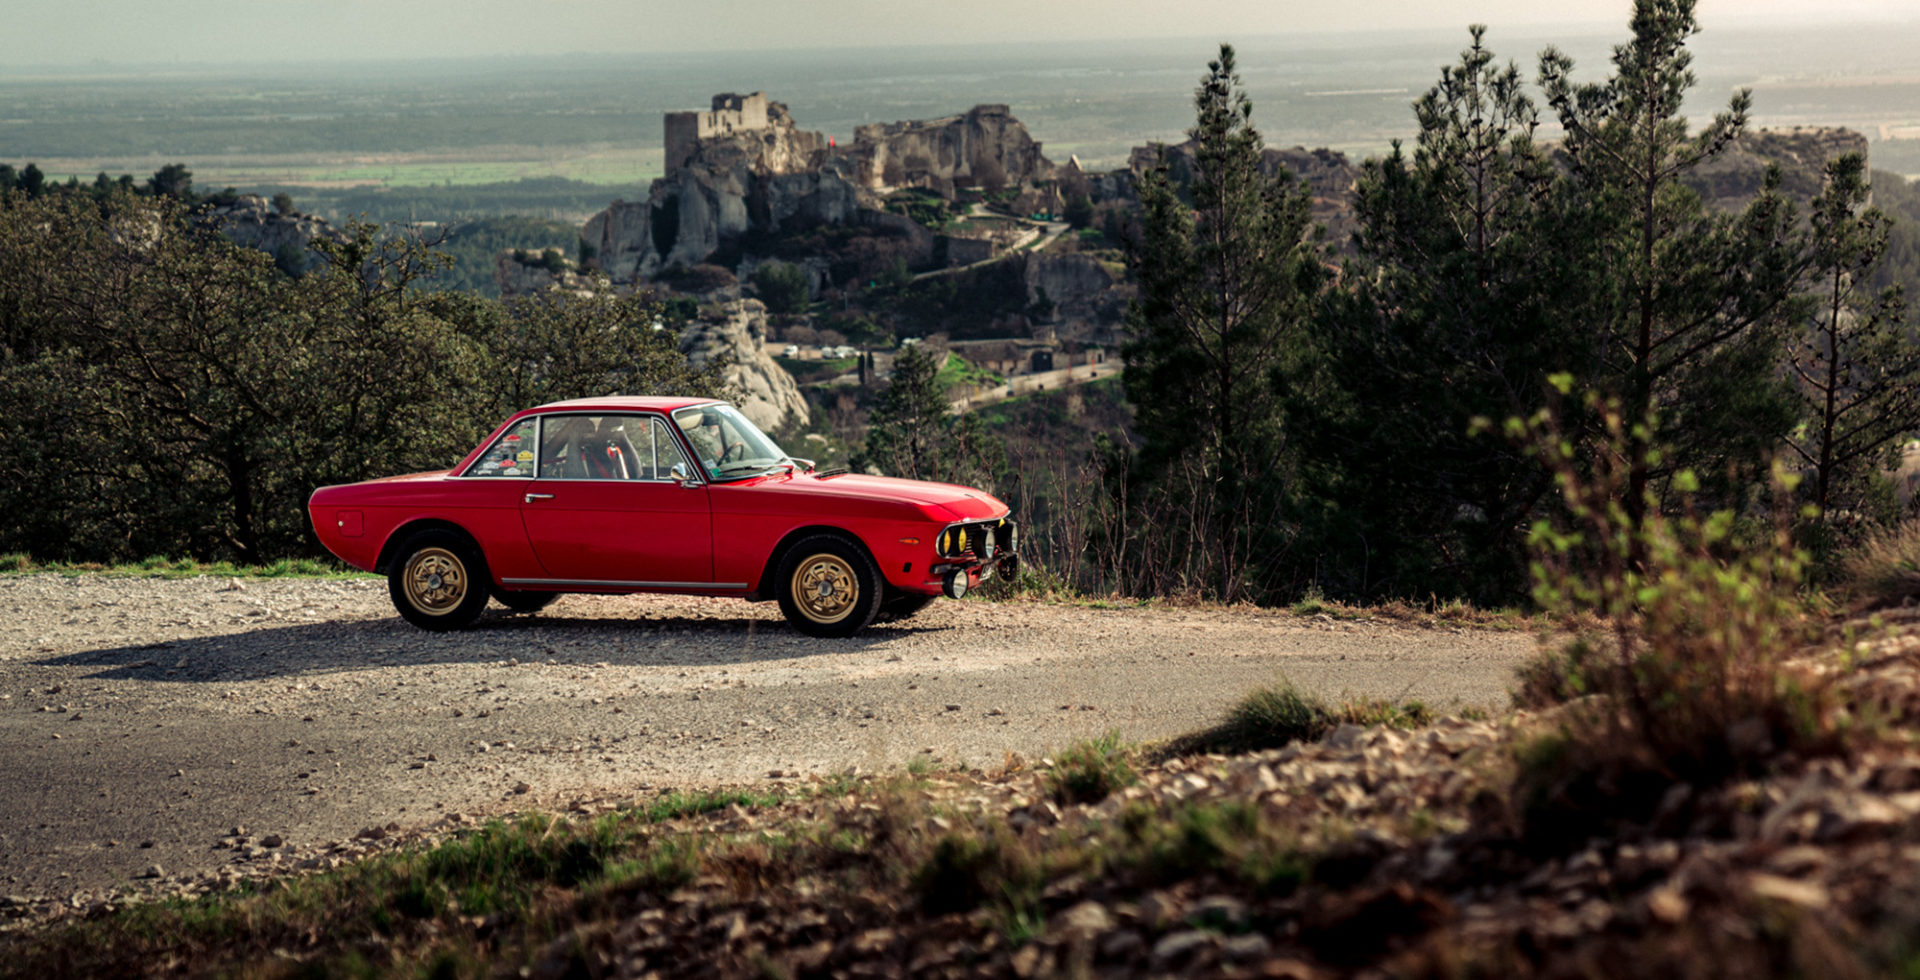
(829, 586)
(438, 581)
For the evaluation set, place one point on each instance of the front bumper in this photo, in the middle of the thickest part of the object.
(972, 552)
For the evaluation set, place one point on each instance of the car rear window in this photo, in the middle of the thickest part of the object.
(510, 455)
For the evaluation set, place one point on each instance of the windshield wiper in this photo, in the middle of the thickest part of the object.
(742, 469)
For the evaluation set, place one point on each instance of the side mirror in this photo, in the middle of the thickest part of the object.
(679, 472)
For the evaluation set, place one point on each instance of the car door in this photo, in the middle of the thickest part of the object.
(609, 507)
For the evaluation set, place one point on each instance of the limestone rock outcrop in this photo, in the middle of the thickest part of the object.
(1086, 293)
(748, 170)
(1329, 175)
(520, 274)
(744, 170)
(737, 331)
(1731, 179)
(251, 221)
(985, 146)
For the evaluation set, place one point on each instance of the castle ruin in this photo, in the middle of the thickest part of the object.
(730, 114)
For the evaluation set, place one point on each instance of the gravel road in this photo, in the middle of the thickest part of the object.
(142, 719)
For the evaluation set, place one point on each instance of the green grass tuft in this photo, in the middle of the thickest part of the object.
(1089, 771)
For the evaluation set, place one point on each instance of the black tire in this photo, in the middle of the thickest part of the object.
(840, 586)
(439, 581)
(902, 605)
(521, 601)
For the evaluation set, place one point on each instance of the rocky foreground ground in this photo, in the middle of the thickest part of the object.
(1369, 852)
(142, 719)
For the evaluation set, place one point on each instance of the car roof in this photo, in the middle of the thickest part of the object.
(622, 403)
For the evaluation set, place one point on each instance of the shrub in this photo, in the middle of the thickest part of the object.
(1687, 664)
(782, 286)
(1091, 770)
(1885, 570)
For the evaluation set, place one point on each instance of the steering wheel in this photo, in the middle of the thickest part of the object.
(737, 451)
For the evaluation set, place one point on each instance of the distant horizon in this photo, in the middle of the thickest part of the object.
(1717, 23)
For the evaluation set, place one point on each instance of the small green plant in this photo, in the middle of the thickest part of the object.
(1090, 771)
(1312, 601)
(1271, 717)
(1688, 662)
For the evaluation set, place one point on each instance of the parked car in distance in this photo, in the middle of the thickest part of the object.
(626, 494)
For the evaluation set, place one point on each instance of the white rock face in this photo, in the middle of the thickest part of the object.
(252, 222)
(765, 392)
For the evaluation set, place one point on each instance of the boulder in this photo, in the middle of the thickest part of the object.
(737, 331)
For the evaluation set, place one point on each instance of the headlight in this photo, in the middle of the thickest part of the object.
(984, 549)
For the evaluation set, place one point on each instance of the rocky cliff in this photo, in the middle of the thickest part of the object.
(765, 180)
(1730, 180)
(251, 221)
(985, 147)
(1087, 294)
(755, 179)
(520, 274)
(737, 332)
(1330, 178)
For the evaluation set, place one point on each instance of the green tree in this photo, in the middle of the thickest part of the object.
(168, 392)
(1454, 310)
(1854, 361)
(913, 431)
(173, 180)
(1689, 306)
(33, 182)
(282, 202)
(1079, 211)
(782, 286)
(1226, 282)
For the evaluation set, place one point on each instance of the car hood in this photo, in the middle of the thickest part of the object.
(957, 502)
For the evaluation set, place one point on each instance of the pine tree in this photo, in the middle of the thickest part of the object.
(1688, 306)
(913, 431)
(1226, 264)
(1855, 361)
(1455, 309)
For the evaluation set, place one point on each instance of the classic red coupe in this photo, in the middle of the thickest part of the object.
(681, 495)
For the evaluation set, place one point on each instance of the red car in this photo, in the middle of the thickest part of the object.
(681, 495)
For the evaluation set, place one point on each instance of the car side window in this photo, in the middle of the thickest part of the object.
(667, 455)
(510, 455)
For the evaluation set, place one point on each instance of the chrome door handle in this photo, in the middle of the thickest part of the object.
(538, 496)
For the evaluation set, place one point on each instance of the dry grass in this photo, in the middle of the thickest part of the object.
(1884, 573)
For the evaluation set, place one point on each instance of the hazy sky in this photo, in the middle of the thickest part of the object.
(61, 32)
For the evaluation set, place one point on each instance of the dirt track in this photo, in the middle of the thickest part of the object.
(142, 719)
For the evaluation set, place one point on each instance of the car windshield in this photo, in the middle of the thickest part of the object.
(729, 446)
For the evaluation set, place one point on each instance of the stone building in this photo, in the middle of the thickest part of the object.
(730, 114)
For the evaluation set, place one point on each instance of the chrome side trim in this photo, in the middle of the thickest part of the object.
(611, 584)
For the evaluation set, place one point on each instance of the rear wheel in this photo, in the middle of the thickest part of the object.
(438, 581)
(525, 601)
(902, 605)
(829, 586)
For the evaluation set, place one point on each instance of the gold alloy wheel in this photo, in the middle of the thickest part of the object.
(436, 581)
(824, 588)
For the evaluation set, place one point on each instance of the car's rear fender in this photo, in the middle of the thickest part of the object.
(390, 548)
